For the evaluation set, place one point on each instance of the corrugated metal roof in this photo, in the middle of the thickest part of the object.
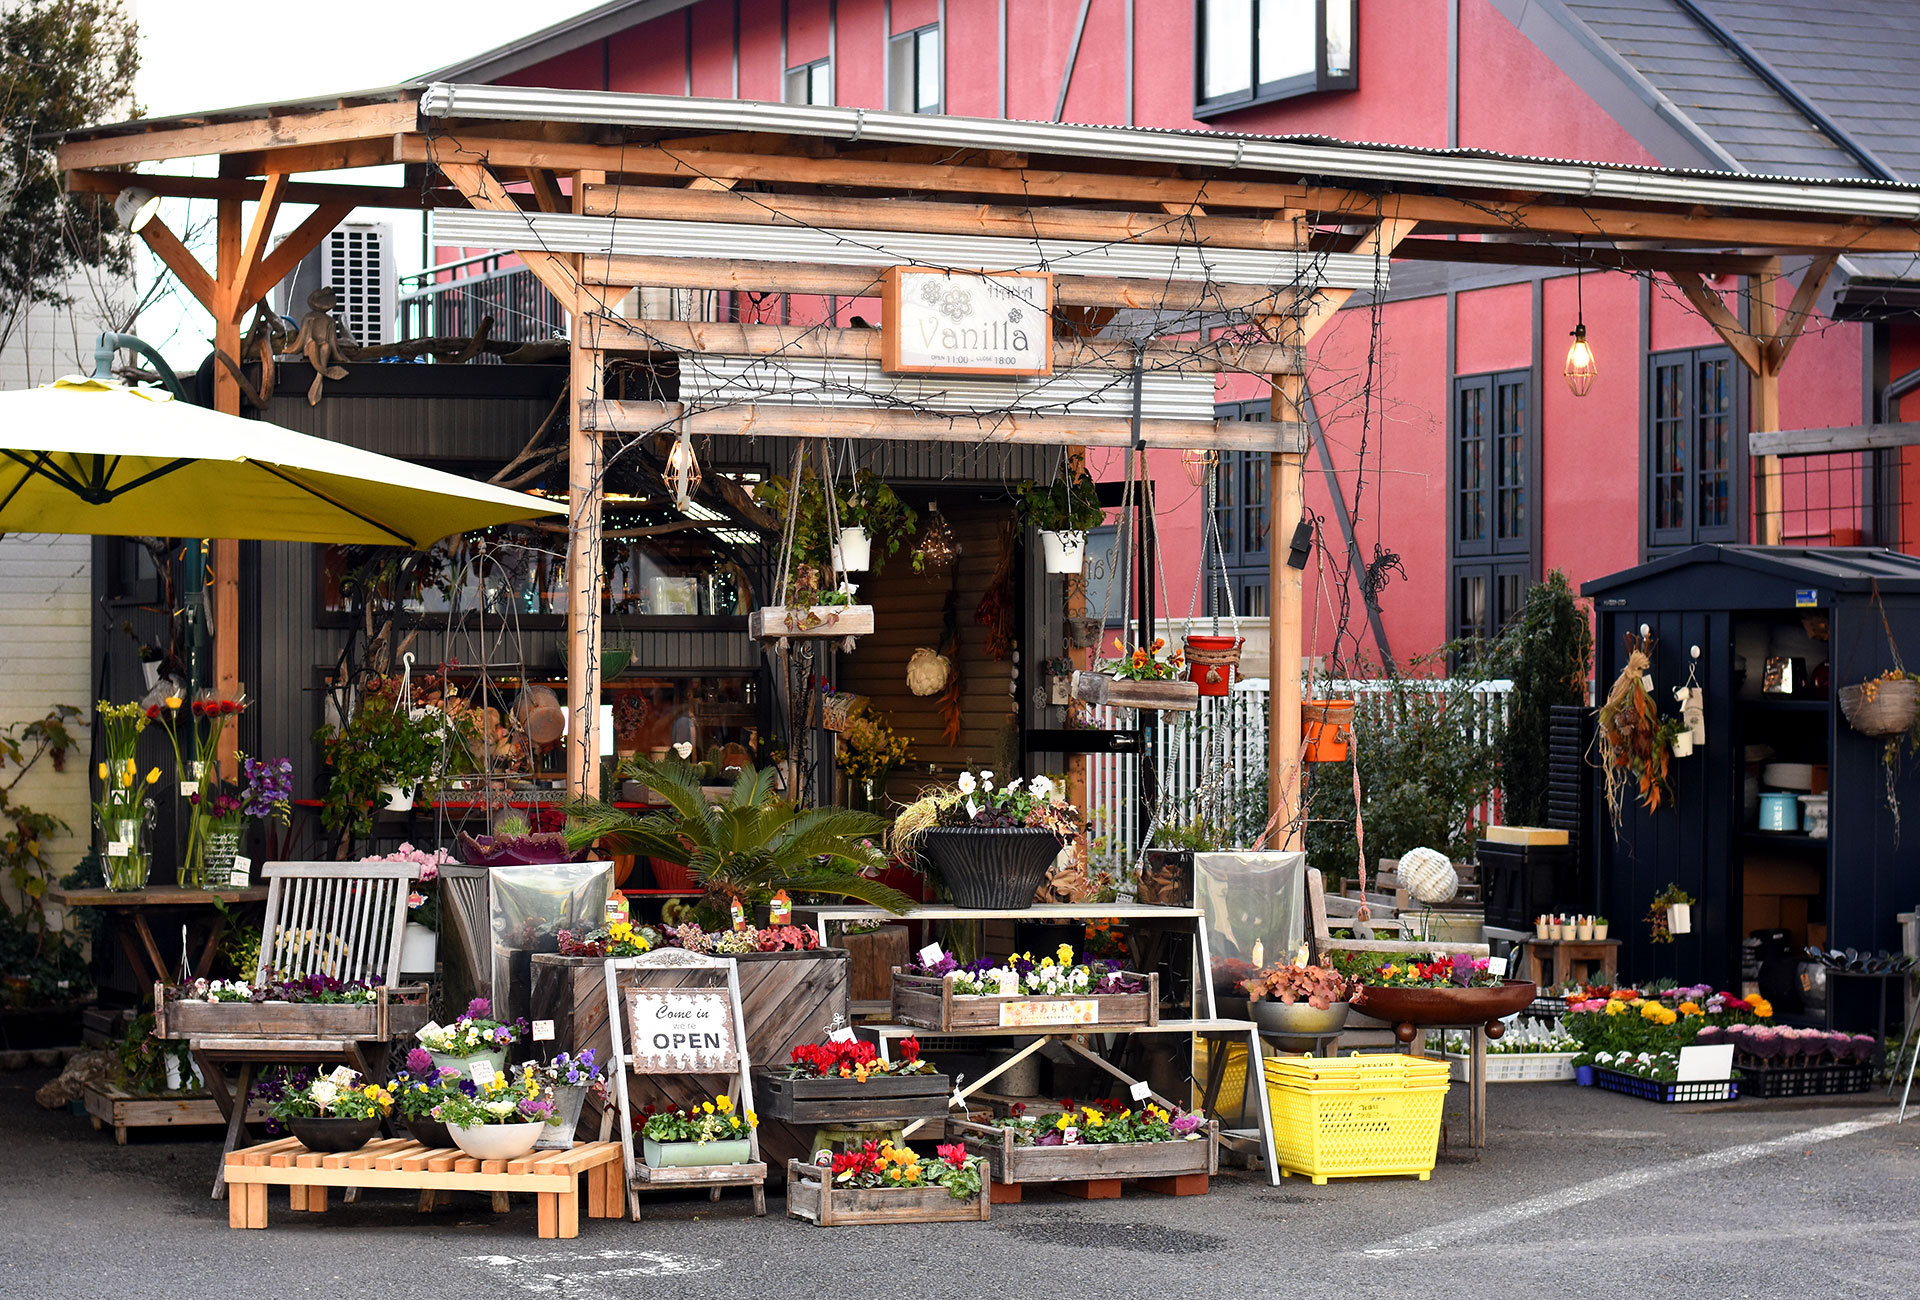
(1837, 568)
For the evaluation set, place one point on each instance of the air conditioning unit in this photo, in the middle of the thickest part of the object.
(356, 261)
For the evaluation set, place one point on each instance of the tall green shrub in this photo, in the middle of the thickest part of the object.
(1548, 653)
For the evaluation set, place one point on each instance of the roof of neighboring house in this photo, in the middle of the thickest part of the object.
(524, 52)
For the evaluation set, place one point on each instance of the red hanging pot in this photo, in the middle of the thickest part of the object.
(1326, 727)
(1212, 661)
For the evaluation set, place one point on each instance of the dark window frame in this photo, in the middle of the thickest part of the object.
(1256, 93)
(1654, 538)
(1502, 559)
(1248, 563)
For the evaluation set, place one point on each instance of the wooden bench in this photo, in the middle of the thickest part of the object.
(553, 1176)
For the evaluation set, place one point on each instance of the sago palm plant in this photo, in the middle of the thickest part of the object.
(745, 847)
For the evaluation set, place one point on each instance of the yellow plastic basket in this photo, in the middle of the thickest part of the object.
(1359, 1116)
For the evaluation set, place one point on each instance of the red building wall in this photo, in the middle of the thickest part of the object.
(1511, 98)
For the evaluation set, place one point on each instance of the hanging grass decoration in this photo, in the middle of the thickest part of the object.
(1635, 743)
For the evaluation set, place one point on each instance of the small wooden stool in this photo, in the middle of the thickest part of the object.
(1553, 960)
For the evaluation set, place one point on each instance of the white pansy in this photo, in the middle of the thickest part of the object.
(966, 784)
(986, 780)
(1040, 787)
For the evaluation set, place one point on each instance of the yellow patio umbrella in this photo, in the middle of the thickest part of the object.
(86, 456)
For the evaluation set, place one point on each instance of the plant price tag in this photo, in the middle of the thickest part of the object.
(340, 1075)
(482, 1072)
(427, 1030)
(1497, 967)
(189, 788)
(1009, 983)
(930, 954)
(1142, 1090)
(239, 872)
(1705, 1064)
(543, 1031)
(844, 1034)
(116, 848)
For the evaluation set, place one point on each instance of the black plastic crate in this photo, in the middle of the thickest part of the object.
(1829, 1080)
(1654, 1090)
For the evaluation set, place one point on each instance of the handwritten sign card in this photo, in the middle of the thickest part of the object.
(681, 1031)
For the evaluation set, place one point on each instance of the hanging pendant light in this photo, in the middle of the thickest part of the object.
(1199, 463)
(683, 471)
(937, 549)
(1581, 368)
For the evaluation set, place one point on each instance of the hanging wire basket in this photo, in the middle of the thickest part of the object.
(1885, 706)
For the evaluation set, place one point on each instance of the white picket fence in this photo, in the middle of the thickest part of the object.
(1226, 734)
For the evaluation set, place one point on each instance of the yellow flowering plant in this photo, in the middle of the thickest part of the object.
(710, 1121)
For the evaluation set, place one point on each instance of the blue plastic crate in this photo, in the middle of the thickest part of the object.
(1654, 1090)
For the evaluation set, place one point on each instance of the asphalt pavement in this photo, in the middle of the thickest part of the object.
(1578, 1193)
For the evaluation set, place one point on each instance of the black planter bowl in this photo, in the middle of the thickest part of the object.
(333, 1134)
(430, 1133)
(994, 867)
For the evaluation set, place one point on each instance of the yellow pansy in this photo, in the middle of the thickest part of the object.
(707, 1107)
(725, 1104)
(753, 1119)
(1065, 952)
(1064, 1122)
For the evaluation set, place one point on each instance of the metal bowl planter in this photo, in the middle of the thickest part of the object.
(995, 867)
(332, 1133)
(1407, 1010)
(1292, 1027)
(429, 1132)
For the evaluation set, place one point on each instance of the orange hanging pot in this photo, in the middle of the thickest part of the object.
(1212, 661)
(1326, 728)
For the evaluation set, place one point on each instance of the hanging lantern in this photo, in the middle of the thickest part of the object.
(937, 549)
(1581, 368)
(1199, 463)
(683, 471)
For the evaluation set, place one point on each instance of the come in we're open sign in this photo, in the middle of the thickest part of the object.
(681, 1031)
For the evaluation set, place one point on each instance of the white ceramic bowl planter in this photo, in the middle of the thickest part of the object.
(854, 552)
(399, 798)
(497, 1141)
(1065, 552)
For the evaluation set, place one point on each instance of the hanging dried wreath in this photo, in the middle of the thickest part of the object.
(1635, 743)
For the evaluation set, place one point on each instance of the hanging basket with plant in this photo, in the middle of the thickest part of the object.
(1139, 677)
(1884, 706)
(1063, 511)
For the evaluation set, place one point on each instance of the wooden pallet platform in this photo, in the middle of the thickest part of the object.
(1105, 1189)
(552, 1176)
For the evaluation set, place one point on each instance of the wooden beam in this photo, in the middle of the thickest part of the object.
(934, 217)
(546, 190)
(1780, 346)
(395, 197)
(255, 246)
(865, 282)
(162, 142)
(1507, 253)
(284, 256)
(1821, 442)
(1714, 229)
(649, 336)
(1736, 336)
(900, 425)
(186, 268)
(374, 152)
(484, 190)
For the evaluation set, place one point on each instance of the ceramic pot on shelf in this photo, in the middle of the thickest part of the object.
(331, 1133)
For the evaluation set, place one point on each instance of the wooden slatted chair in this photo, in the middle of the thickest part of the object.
(340, 919)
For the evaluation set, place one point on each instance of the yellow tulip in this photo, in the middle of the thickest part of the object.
(153, 776)
(126, 780)
(174, 701)
(103, 771)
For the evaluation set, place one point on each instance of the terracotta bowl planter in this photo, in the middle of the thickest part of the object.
(1407, 1010)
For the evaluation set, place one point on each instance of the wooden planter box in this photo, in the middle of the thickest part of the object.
(789, 998)
(848, 1101)
(109, 1104)
(818, 622)
(1124, 693)
(930, 1002)
(1011, 1163)
(390, 1015)
(812, 1196)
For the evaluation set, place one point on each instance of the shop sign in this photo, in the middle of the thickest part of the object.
(936, 322)
(681, 1031)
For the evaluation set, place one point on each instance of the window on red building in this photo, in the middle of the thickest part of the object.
(1257, 51)
(1240, 514)
(1490, 486)
(810, 83)
(1695, 454)
(913, 71)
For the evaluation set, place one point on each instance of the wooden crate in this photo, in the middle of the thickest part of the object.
(394, 1013)
(1175, 1168)
(848, 1101)
(788, 998)
(552, 1176)
(930, 1002)
(812, 1196)
(1124, 693)
(109, 1104)
(814, 622)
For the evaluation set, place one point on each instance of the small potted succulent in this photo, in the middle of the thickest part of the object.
(1600, 927)
(503, 1118)
(1293, 1004)
(712, 1133)
(335, 1112)
(474, 1037)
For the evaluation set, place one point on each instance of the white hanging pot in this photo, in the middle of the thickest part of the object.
(1683, 744)
(1680, 918)
(419, 946)
(855, 551)
(1065, 552)
(399, 798)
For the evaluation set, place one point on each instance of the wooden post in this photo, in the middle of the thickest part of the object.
(1765, 324)
(584, 565)
(1286, 494)
(229, 267)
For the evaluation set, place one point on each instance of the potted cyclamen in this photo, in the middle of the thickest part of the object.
(1063, 511)
(334, 1112)
(1294, 1004)
(569, 1079)
(502, 1119)
(712, 1133)
(474, 1037)
(991, 846)
(418, 1092)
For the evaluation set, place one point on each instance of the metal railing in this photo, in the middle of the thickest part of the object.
(1228, 735)
(523, 310)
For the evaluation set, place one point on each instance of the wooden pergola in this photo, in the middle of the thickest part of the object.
(601, 192)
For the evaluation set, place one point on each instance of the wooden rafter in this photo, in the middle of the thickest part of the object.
(1793, 324)
(397, 197)
(280, 260)
(557, 271)
(337, 126)
(1724, 322)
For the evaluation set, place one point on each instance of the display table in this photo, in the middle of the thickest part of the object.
(132, 906)
(1135, 915)
(1550, 961)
